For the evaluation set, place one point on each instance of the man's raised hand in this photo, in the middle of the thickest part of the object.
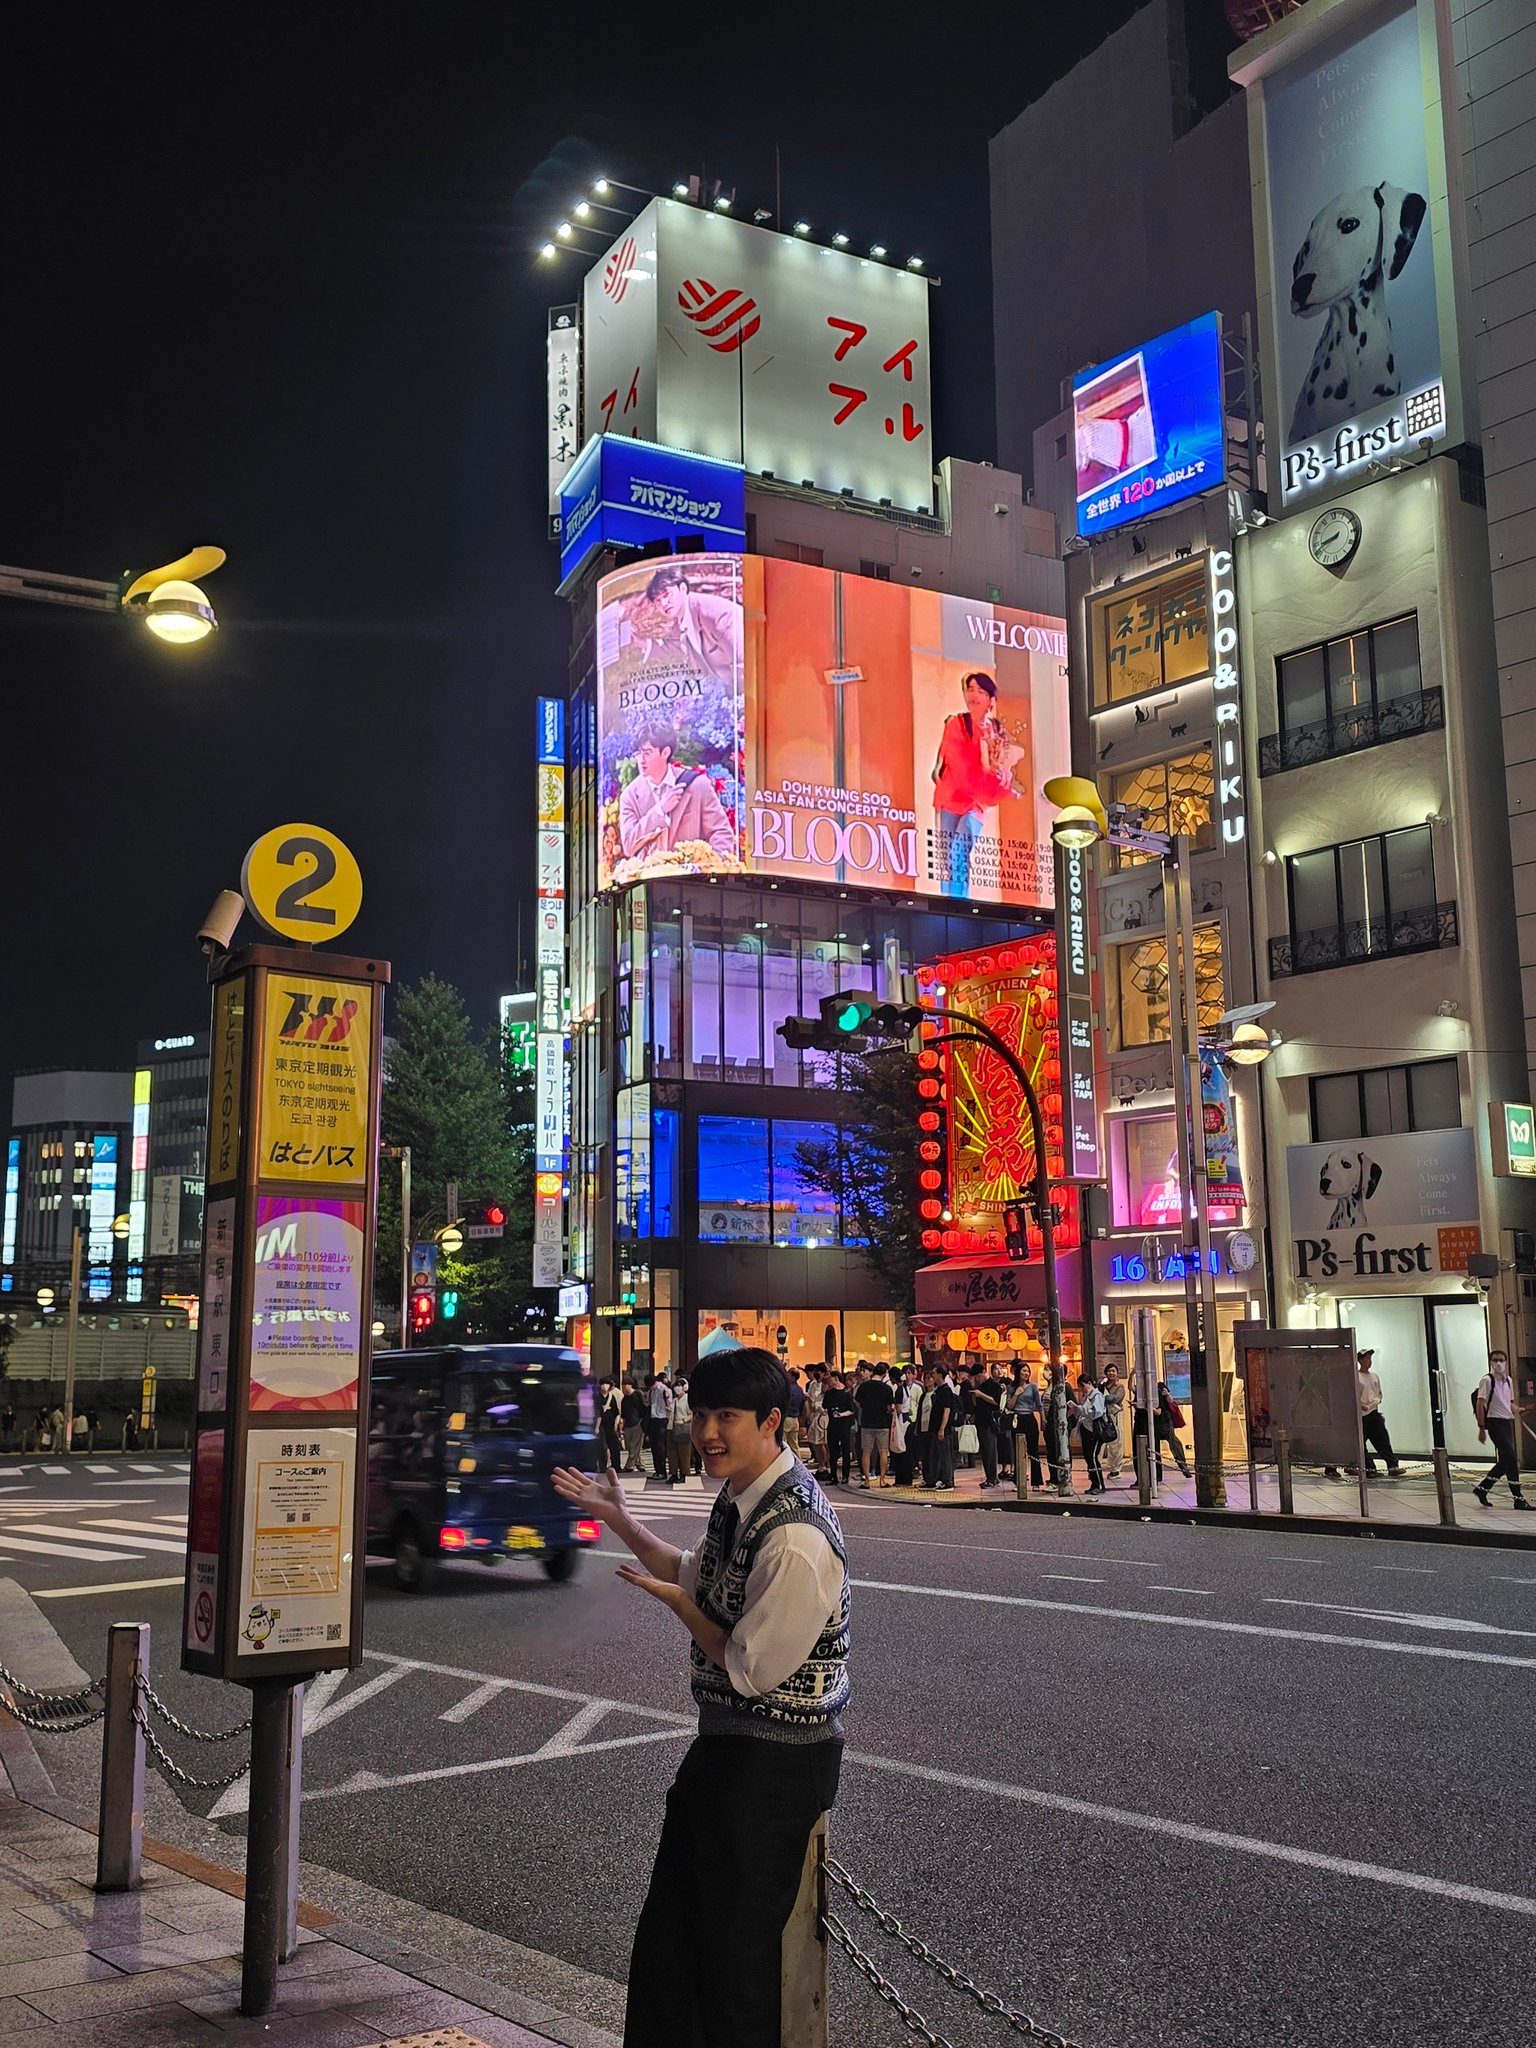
(591, 1493)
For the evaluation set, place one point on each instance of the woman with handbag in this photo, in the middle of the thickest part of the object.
(1025, 1406)
(1092, 1423)
(968, 1441)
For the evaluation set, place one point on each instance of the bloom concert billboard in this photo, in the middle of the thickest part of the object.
(761, 717)
(1149, 427)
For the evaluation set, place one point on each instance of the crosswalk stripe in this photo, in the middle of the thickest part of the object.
(99, 1468)
(74, 1550)
(55, 1471)
(140, 1542)
(82, 1533)
(143, 1468)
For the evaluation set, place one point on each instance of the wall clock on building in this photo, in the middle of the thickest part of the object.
(1334, 537)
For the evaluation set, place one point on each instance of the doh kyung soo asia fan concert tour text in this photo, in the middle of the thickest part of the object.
(771, 718)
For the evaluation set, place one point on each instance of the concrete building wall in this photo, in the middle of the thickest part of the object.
(1117, 212)
(1494, 48)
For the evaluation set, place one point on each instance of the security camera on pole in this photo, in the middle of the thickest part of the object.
(1081, 822)
(275, 1541)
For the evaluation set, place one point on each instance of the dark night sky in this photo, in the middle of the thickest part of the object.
(271, 283)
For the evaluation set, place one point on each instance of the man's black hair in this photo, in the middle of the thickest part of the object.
(665, 578)
(742, 1379)
(657, 734)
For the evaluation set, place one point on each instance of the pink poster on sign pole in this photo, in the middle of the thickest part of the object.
(306, 1309)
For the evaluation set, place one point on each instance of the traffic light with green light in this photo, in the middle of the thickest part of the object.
(450, 1304)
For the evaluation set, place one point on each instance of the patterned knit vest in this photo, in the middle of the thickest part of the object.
(808, 1705)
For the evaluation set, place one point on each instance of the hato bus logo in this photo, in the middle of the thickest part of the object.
(730, 314)
(327, 1023)
(619, 269)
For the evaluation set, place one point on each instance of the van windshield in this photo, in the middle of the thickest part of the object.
(543, 1404)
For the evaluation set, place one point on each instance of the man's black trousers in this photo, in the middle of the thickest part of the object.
(705, 1968)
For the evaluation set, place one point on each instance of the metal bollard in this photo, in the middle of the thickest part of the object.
(1283, 1472)
(120, 1835)
(1020, 1466)
(803, 1954)
(1443, 1493)
(1143, 1449)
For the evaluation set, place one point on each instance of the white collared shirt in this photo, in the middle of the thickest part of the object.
(1369, 1389)
(794, 1589)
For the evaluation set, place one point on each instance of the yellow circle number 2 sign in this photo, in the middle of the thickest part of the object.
(302, 883)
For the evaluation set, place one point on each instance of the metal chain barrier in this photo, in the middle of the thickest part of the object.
(956, 1979)
(168, 1765)
(181, 1727)
(51, 1713)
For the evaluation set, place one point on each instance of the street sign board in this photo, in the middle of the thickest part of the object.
(302, 883)
(1512, 1130)
(276, 1531)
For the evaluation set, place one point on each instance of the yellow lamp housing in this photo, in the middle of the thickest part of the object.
(1250, 1045)
(170, 603)
(1080, 804)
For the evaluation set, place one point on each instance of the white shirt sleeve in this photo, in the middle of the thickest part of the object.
(794, 1589)
(688, 1573)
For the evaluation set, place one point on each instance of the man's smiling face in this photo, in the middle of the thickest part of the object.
(734, 1445)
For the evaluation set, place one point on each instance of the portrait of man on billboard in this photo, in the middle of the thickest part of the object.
(666, 806)
(689, 625)
(669, 682)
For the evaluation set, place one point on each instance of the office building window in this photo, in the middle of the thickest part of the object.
(753, 1182)
(879, 572)
(1362, 899)
(1176, 795)
(798, 551)
(1358, 690)
(1376, 1101)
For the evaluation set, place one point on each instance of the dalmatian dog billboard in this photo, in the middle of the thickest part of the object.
(1383, 1208)
(1359, 369)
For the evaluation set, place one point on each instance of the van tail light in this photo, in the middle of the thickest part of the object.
(453, 1539)
(589, 1532)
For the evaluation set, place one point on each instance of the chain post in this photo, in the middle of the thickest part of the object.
(803, 1954)
(120, 1836)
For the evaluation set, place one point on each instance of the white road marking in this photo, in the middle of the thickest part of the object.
(55, 1471)
(472, 1702)
(77, 1551)
(1440, 1621)
(1431, 1568)
(81, 1532)
(237, 1798)
(100, 1468)
(107, 1586)
(1208, 1838)
(143, 1468)
(1505, 1580)
(1236, 1628)
(1013, 1550)
(1204, 1592)
(181, 1482)
(141, 1536)
(1072, 1579)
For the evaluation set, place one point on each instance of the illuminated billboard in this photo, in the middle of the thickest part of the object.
(627, 493)
(989, 1160)
(807, 363)
(1149, 427)
(769, 718)
(1352, 234)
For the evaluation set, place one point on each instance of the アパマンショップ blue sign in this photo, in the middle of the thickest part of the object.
(625, 493)
(1149, 427)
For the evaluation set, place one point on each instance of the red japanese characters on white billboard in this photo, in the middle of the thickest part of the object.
(704, 333)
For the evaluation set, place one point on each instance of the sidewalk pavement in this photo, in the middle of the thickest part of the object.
(1399, 1508)
(160, 1967)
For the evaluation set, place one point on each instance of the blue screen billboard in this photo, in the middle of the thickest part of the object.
(1149, 428)
(624, 493)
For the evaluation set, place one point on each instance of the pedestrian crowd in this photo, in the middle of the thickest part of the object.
(878, 1425)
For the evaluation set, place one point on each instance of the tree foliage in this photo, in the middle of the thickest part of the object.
(453, 1098)
(872, 1173)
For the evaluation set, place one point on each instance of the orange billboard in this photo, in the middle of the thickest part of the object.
(772, 718)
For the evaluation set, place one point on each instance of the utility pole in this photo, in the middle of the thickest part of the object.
(71, 1337)
(403, 1154)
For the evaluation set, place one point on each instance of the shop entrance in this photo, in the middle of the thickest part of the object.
(1412, 1336)
(1170, 1341)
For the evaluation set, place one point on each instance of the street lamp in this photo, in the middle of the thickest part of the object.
(167, 599)
(1082, 821)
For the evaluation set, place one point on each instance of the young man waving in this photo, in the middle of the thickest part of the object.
(765, 1599)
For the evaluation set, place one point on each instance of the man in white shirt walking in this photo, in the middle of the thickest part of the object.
(765, 1600)
(1373, 1425)
(1495, 1402)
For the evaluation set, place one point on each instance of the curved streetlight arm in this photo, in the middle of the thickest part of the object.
(976, 1033)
